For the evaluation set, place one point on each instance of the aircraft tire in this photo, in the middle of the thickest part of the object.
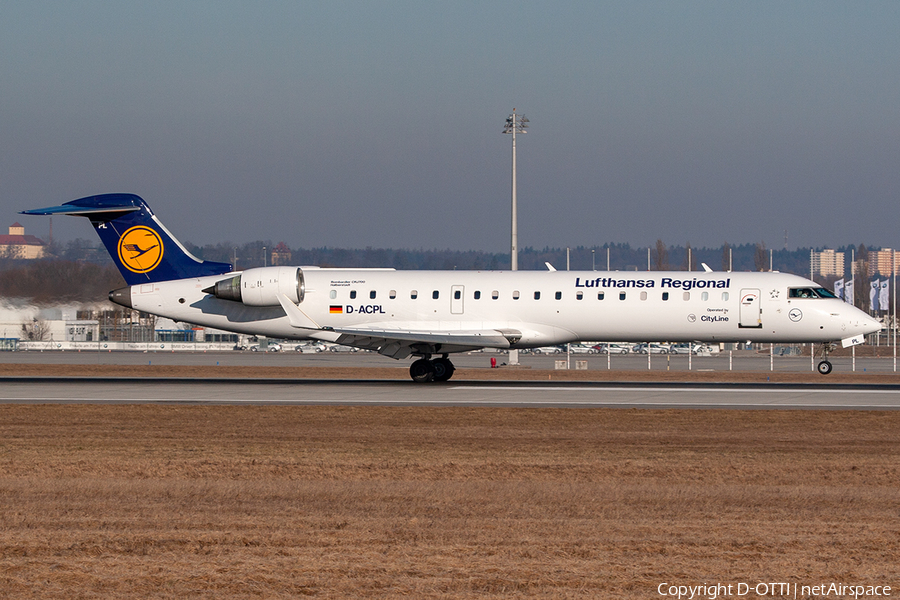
(422, 371)
(824, 367)
(443, 369)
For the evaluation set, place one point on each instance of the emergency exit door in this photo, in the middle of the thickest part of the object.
(751, 310)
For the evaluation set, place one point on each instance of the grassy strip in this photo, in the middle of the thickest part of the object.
(248, 501)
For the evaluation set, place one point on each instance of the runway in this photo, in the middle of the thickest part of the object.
(24, 390)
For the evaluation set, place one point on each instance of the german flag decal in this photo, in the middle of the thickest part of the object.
(336, 309)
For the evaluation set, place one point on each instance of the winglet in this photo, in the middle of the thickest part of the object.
(297, 317)
(550, 267)
(706, 267)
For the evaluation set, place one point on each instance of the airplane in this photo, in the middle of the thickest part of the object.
(429, 315)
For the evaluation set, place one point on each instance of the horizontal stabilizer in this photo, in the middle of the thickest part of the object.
(81, 211)
(94, 206)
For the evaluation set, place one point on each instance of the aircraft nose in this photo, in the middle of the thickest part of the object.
(870, 325)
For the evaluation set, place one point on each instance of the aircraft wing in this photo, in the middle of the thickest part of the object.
(400, 343)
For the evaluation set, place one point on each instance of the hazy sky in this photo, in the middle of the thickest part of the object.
(379, 123)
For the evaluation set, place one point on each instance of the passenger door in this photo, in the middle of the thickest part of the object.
(751, 310)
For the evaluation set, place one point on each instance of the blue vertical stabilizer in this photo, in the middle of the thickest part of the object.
(139, 244)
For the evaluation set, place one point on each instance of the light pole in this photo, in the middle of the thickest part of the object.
(514, 124)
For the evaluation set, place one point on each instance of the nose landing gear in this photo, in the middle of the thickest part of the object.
(824, 367)
(426, 370)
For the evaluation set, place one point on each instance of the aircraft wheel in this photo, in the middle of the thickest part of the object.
(422, 371)
(824, 367)
(443, 369)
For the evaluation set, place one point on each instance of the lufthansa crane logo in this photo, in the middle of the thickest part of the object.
(140, 249)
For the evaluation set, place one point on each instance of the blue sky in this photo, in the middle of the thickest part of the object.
(379, 123)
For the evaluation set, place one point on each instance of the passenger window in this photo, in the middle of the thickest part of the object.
(724, 295)
(516, 295)
(579, 295)
(393, 294)
(537, 295)
(413, 295)
(643, 295)
(435, 294)
(665, 296)
(372, 294)
(621, 295)
(559, 295)
(332, 294)
(495, 294)
(478, 295)
(601, 295)
(352, 294)
(704, 296)
(687, 295)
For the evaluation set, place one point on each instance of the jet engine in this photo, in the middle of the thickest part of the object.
(261, 286)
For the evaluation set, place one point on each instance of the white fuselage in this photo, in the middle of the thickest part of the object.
(545, 307)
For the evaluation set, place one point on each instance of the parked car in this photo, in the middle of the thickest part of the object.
(612, 349)
(272, 347)
(316, 347)
(547, 350)
(683, 348)
(582, 349)
(651, 348)
(340, 348)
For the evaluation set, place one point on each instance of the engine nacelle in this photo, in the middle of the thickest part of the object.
(261, 286)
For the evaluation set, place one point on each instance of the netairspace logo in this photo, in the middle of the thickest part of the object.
(771, 590)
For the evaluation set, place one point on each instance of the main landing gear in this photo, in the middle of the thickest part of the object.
(426, 370)
(824, 367)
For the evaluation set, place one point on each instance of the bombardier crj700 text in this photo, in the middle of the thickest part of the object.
(431, 314)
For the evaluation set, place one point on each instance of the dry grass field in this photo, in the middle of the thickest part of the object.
(287, 502)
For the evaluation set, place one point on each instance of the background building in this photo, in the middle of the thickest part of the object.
(19, 245)
(281, 255)
(827, 263)
(880, 262)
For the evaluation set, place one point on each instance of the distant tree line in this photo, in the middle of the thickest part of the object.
(622, 257)
(50, 280)
(83, 271)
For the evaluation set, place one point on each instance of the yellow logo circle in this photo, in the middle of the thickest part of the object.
(140, 249)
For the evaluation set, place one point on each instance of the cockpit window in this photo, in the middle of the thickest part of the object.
(818, 292)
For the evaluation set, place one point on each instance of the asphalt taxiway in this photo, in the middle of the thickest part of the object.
(77, 390)
(743, 360)
(210, 390)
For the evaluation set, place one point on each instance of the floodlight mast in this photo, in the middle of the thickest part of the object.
(514, 124)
